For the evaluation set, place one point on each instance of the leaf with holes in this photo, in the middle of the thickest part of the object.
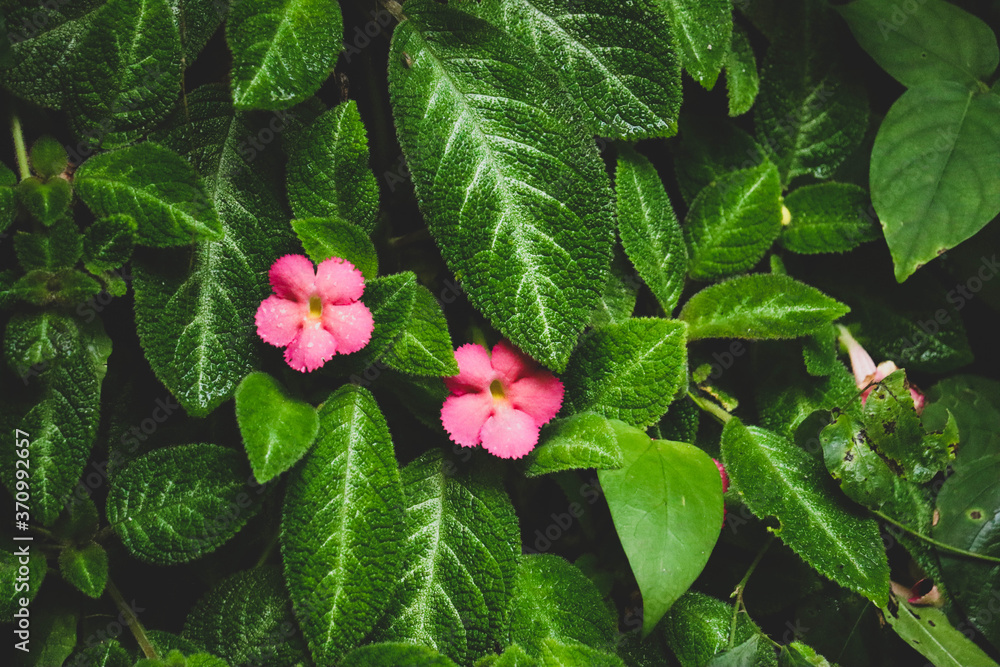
(929, 631)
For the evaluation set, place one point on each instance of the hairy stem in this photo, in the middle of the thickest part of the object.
(133, 623)
(19, 148)
(711, 408)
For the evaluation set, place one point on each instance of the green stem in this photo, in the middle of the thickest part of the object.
(940, 545)
(133, 623)
(19, 148)
(738, 591)
(711, 408)
(267, 550)
(422, 234)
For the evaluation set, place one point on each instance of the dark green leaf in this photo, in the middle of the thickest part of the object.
(53, 636)
(277, 430)
(743, 654)
(196, 21)
(703, 29)
(650, 234)
(628, 371)
(759, 306)
(179, 503)
(328, 172)
(697, 628)
(797, 654)
(424, 347)
(617, 301)
(554, 653)
(48, 157)
(106, 654)
(46, 201)
(79, 521)
(733, 221)
(929, 631)
(709, 150)
(512, 188)
(395, 654)
(108, 243)
(56, 248)
(85, 567)
(157, 188)
(742, 80)
(585, 440)
(343, 528)
(16, 586)
(975, 402)
(282, 51)
(8, 198)
(819, 352)
(828, 217)
(932, 164)
(323, 238)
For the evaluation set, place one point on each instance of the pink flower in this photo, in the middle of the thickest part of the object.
(314, 314)
(866, 372)
(499, 401)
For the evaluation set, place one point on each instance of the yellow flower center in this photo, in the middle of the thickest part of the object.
(315, 306)
(497, 389)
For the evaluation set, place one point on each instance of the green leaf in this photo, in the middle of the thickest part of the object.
(733, 221)
(157, 187)
(395, 654)
(927, 41)
(343, 528)
(197, 21)
(57, 248)
(48, 157)
(106, 654)
(424, 347)
(463, 548)
(703, 29)
(328, 172)
(85, 567)
(127, 72)
(759, 306)
(698, 626)
(512, 189)
(709, 150)
(828, 217)
(554, 600)
(751, 652)
(46, 201)
(176, 504)
(933, 169)
(666, 503)
(628, 371)
(929, 631)
(16, 586)
(585, 440)
(862, 475)
(277, 430)
(593, 46)
(282, 51)
(819, 352)
(553, 653)
(776, 478)
(323, 238)
(8, 198)
(247, 619)
(975, 402)
(195, 309)
(617, 301)
(650, 234)
(53, 636)
(742, 80)
(513, 656)
(108, 242)
(79, 521)
(62, 390)
(797, 654)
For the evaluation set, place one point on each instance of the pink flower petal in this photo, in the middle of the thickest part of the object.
(861, 362)
(350, 325)
(509, 433)
(474, 370)
(463, 416)
(279, 320)
(293, 277)
(312, 348)
(510, 363)
(919, 400)
(338, 282)
(540, 395)
(723, 474)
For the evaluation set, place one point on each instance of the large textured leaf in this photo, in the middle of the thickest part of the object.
(615, 59)
(248, 620)
(585, 440)
(929, 631)
(179, 503)
(61, 394)
(328, 172)
(628, 371)
(195, 310)
(648, 227)
(926, 41)
(157, 188)
(666, 503)
(463, 545)
(283, 50)
(127, 72)
(935, 171)
(703, 30)
(343, 529)
(827, 217)
(759, 306)
(733, 221)
(777, 478)
(512, 188)
(196, 21)
(424, 347)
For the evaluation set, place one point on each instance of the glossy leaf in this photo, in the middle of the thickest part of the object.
(523, 215)
(759, 306)
(323, 238)
(828, 217)
(424, 347)
(343, 531)
(584, 440)
(703, 29)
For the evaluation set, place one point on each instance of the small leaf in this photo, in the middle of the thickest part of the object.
(628, 371)
(819, 352)
(106, 654)
(86, 568)
(733, 221)
(343, 531)
(703, 29)
(975, 403)
(828, 217)
(176, 504)
(323, 238)
(154, 185)
(759, 306)
(46, 201)
(424, 347)
(698, 626)
(666, 503)
(617, 301)
(282, 51)
(48, 157)
(585, 440)
(742, 80)
(328, 172)
(553, 653)
(650, 234)
(933, 171)
(56, 248)
(277, 430)
(108, 243)
(776, 478)
(709, 150)
(79, 521)
(15, 585)
(929, 631)
(53, 636)
(395, 654)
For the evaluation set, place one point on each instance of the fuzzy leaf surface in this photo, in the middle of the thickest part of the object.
(828, 217)
(708, 150)
(584, 440)
(617, 300)
(395, 653)
(703, 29)
(424, 347)
(323, 238)
(742, 79)
(697, 628)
